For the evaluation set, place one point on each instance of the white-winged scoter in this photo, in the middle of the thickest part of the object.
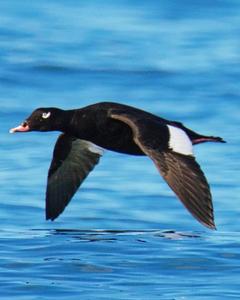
(123, 129)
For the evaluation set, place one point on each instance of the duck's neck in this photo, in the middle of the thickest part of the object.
(63, 123)
(80, 123)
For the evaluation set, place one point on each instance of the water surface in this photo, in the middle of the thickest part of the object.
(124, 235)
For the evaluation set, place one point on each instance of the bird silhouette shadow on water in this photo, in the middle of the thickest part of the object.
(99, 235)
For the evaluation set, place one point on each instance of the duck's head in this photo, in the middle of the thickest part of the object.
(41, 119)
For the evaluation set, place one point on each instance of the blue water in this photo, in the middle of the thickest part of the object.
(124, 235)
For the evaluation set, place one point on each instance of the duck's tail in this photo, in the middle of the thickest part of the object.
(197, 138)
(204, 139)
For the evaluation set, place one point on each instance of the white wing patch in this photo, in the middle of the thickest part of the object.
(179, 141)
(94, 148)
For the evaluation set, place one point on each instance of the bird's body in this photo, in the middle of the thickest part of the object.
(93, 123)
(127, 130)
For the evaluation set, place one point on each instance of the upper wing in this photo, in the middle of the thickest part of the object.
(181, 172)
(72, 161)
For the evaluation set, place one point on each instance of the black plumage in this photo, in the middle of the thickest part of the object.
(123, 129)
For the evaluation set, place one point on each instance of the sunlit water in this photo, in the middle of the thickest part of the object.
(124, 235)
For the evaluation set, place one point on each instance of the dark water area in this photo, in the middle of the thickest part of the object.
(124, 234)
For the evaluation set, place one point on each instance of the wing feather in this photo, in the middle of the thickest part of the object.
(181, 172)
(71, 163)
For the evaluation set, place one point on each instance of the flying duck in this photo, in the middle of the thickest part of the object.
(125, 129)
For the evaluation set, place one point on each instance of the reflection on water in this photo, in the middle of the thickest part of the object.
(96, 235)
(124, 235)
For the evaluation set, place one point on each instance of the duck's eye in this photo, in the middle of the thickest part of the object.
(46, 115)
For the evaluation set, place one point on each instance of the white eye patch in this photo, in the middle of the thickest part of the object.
(46, 115)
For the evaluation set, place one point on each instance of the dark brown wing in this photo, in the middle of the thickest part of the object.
(186, 179)
(181, 172)
(72, 161)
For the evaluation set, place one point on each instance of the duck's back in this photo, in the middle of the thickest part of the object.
(94, 123)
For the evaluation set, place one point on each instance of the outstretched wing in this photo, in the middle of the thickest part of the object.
(181, 172)
(72, 161)
(186, 179)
